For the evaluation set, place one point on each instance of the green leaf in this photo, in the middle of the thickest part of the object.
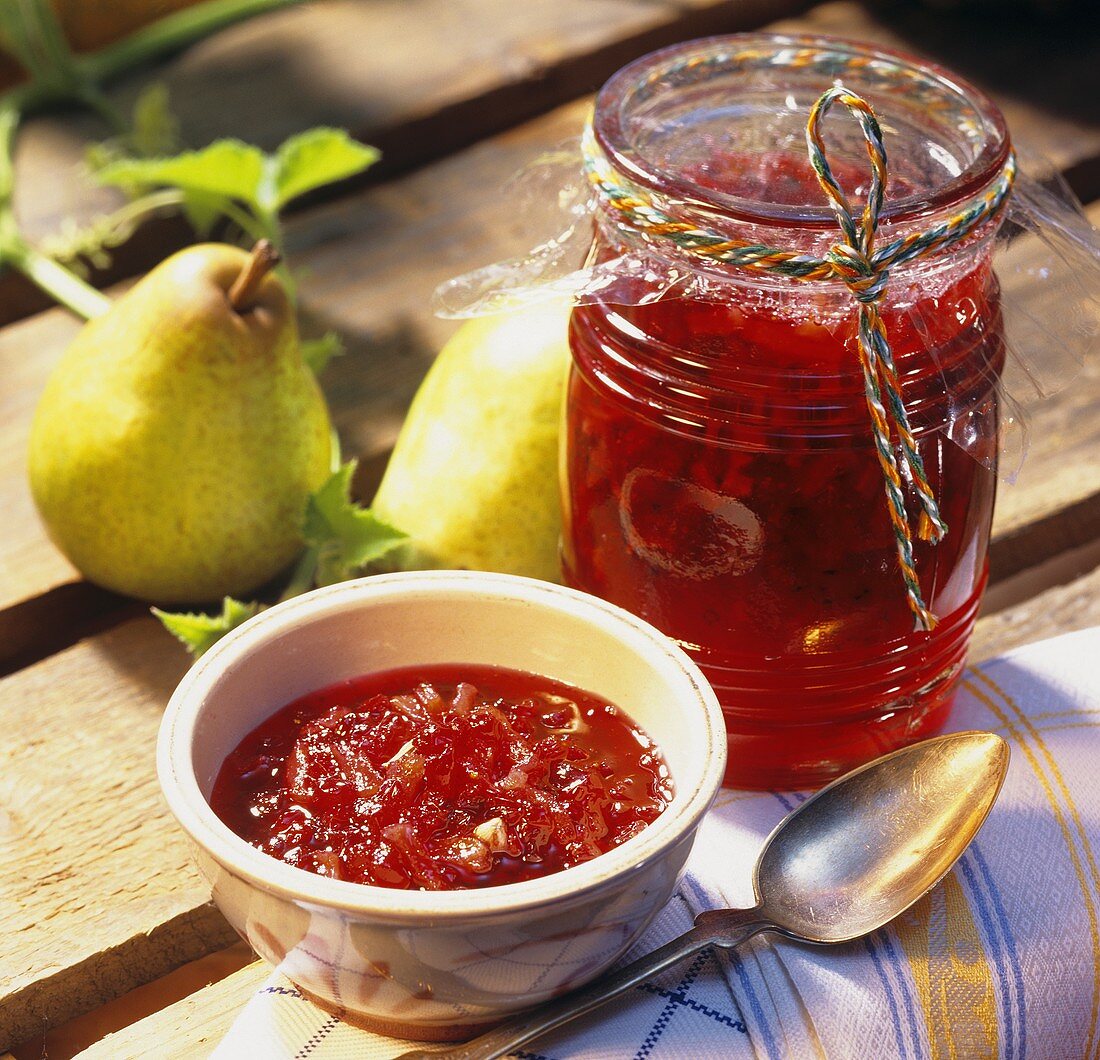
(229, 168)
(202, 210)
(318, 352)
(201, 632)
(315, 158)
(155, 130)
(347, 536)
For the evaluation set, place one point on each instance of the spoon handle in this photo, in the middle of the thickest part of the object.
(730, 929)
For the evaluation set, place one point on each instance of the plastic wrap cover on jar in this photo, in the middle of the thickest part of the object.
(1046, 255)
(803, 341)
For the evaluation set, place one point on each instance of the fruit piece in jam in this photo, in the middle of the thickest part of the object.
(442, 777)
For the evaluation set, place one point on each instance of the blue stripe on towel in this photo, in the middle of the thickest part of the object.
(1009, 945)
(895, 1015)
(900, 966)
(770, 1044)
(996, 952)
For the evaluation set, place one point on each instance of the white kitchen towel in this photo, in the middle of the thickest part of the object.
(1001, 960)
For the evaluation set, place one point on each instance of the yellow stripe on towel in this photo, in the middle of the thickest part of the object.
(951, 971)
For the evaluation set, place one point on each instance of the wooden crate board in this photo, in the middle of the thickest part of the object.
(72, 1037)
(1059, 609)
(1054, 504)
(198, 1022)
(97, 889)
(188, 1029)
(418, 78)
(370, 264)
(1050, 110)
(425, 78)
(29, 564)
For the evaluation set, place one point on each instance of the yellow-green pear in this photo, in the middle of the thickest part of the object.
(473, 478)
(179, 436)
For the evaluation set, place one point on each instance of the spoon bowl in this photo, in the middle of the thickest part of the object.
(864, 849)
(846, 862)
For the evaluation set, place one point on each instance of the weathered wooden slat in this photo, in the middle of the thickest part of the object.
(202, 1019)
(1060, 609)
(1047, 93)
(424, 79)
(190, 1028)
(371, 264)
(97, 890)
(97, 893)
(1055, 503)
(418, 78)
(72, 1037)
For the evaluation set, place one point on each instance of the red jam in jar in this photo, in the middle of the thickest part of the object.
(720, 476)
(442, 777)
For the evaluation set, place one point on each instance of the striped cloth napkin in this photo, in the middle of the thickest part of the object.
(1001, 960)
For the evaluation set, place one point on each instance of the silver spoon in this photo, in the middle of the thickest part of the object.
(847, 861)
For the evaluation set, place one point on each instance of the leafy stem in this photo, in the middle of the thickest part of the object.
(251, 226)
(304, 575)
(236, 180)
(63, 285)
(57, 281)
(169, 34)
(30, 30)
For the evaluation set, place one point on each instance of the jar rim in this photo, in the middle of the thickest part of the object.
(610, 128)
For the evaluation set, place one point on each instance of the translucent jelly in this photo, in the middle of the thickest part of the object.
(442, 777)
(719, 477)
(757, 535)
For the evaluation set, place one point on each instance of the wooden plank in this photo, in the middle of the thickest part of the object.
(444, 73)
(370, 275)
(1055, 503)
(1057, 610)
(189, 1028)
(74, 1036)
(97, 889)
(199, 1021)
(418, 78)
(1047, 94)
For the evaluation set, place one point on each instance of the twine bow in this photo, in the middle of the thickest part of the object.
(865, 271)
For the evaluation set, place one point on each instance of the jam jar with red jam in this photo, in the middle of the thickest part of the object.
(720, 478)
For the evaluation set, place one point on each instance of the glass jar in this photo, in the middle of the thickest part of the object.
(719, 474)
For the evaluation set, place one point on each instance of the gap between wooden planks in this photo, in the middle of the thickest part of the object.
(420, 79)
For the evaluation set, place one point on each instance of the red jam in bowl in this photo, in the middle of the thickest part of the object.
(442, 777)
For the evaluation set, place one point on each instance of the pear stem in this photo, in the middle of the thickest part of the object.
(261, 261)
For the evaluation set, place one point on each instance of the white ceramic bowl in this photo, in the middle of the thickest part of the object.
(440, 965)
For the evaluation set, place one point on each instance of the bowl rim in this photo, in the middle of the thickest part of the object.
(693, 795)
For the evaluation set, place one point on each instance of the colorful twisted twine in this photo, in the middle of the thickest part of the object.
(857, 263)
